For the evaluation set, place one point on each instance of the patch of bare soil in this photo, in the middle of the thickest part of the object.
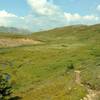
(8, 42)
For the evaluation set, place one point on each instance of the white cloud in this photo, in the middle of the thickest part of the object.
(98, 7)
(43, 7)
(78, 17)
(72, 17)
(9, 19)
(6, 18)
(5, 14)
(90, 17)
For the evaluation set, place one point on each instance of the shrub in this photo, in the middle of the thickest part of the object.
(70, 66)
(6, 89)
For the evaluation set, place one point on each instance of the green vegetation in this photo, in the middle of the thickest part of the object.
(47, 71)
(6, 88)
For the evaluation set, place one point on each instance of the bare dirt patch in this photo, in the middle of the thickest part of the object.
(8, 42)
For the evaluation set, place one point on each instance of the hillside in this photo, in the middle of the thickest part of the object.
(80, 32)
(64, 66)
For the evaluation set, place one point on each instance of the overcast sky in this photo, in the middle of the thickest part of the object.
(39, 15)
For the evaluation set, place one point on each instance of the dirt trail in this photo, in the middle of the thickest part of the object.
(92, 94)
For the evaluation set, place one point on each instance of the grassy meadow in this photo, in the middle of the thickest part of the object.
(46, 70)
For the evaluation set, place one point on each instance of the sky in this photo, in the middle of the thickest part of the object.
(37, 15)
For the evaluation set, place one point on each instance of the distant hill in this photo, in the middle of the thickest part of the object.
(13, 30)
(59, 34)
